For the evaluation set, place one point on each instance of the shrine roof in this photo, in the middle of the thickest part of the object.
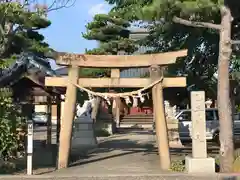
(27, 66)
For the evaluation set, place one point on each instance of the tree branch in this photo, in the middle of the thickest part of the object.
(196, 24)
(59, 5)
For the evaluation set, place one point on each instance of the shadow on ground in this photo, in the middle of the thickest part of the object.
(127, 146)
(44, 157)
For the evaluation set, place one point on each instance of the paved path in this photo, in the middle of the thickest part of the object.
(125, 153)
(133, 153)
(124, 156)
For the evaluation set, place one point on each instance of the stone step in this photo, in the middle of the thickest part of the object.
(135, 126)
(137, 121)
(138, 116)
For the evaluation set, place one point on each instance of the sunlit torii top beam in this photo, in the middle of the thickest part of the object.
(118, 61)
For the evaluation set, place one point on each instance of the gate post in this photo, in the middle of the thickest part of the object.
(160, 119)
(115, 78)
(58, 102)
(68, 118)
(49, 120)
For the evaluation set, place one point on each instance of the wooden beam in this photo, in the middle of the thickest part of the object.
(108, 82)
(119, 61)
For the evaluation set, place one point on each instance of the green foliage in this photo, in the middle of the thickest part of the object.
(178, 166)
(94, 72)
(203, 10)
(128, 9)
(11, 127)
(237, 107)
(101, 133)
(236, 163)
(202, 43)
(111, 33)
(19, 32)
(7, 168)
(165, 35)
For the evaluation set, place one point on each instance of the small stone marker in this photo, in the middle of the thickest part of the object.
(199, 162)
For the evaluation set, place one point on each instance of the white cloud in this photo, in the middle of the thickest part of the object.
(101, 8)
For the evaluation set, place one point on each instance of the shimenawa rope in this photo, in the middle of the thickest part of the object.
(114, 95)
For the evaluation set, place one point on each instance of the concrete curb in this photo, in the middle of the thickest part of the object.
(125, 176)
(114, 175)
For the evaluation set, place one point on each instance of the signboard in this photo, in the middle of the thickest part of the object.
(30, 137)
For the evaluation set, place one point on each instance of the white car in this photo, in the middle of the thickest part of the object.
(212, 125)
(40, 118)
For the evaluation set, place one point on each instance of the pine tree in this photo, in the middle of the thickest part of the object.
(111, 33)
(128, 9)
(216, 17)
(203, 46)
(19, 32)
(19, 36)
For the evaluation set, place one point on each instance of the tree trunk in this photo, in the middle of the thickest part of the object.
(224, 107)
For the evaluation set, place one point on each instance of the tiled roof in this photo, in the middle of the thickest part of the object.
(26, 64)
(63, 71)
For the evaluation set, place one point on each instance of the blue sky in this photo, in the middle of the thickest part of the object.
(65, 32)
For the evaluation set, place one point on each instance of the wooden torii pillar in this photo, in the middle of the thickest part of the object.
(74, 61)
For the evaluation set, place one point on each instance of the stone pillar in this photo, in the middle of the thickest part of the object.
(199, 162)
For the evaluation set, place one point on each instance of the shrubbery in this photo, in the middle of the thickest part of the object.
(12, 127)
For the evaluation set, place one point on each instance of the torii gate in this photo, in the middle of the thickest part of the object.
(154, 61)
